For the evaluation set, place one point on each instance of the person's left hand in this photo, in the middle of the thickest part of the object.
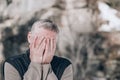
(49, 50)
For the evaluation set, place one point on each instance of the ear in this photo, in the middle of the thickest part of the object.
(29, 37)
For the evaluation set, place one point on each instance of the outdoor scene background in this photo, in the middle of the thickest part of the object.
(89, 33)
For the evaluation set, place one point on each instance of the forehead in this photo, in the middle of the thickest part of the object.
(44, 32)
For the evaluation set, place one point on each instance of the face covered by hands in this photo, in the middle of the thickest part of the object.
(42, 46)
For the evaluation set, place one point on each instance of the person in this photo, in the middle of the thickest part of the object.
(39, 62)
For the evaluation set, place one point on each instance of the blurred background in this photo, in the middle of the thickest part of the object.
(89, 33)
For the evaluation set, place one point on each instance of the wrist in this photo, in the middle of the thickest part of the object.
(36, 59)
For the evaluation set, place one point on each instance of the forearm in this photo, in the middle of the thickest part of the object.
(10, 73)
(34, 72)
(68, 73)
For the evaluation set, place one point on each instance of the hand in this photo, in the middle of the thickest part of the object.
(37, 48)
(49, 50)
(42, 50)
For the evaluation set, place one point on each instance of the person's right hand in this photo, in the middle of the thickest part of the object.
(37, 48)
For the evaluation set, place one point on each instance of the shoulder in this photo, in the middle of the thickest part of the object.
(59, 65)
(11, 63)
(61, 60)
(23, 55)
(14, 58)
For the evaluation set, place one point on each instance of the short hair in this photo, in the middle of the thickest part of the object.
(47, 24)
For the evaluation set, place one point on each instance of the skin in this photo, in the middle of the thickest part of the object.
(42, 45)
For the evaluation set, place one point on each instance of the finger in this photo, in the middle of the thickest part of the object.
(39, 41)
(42, 45)
(33, 42)
(51, 46)
(46, 50)
(54, 45)
(47, 46)
(32, 48)
(41, 48)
